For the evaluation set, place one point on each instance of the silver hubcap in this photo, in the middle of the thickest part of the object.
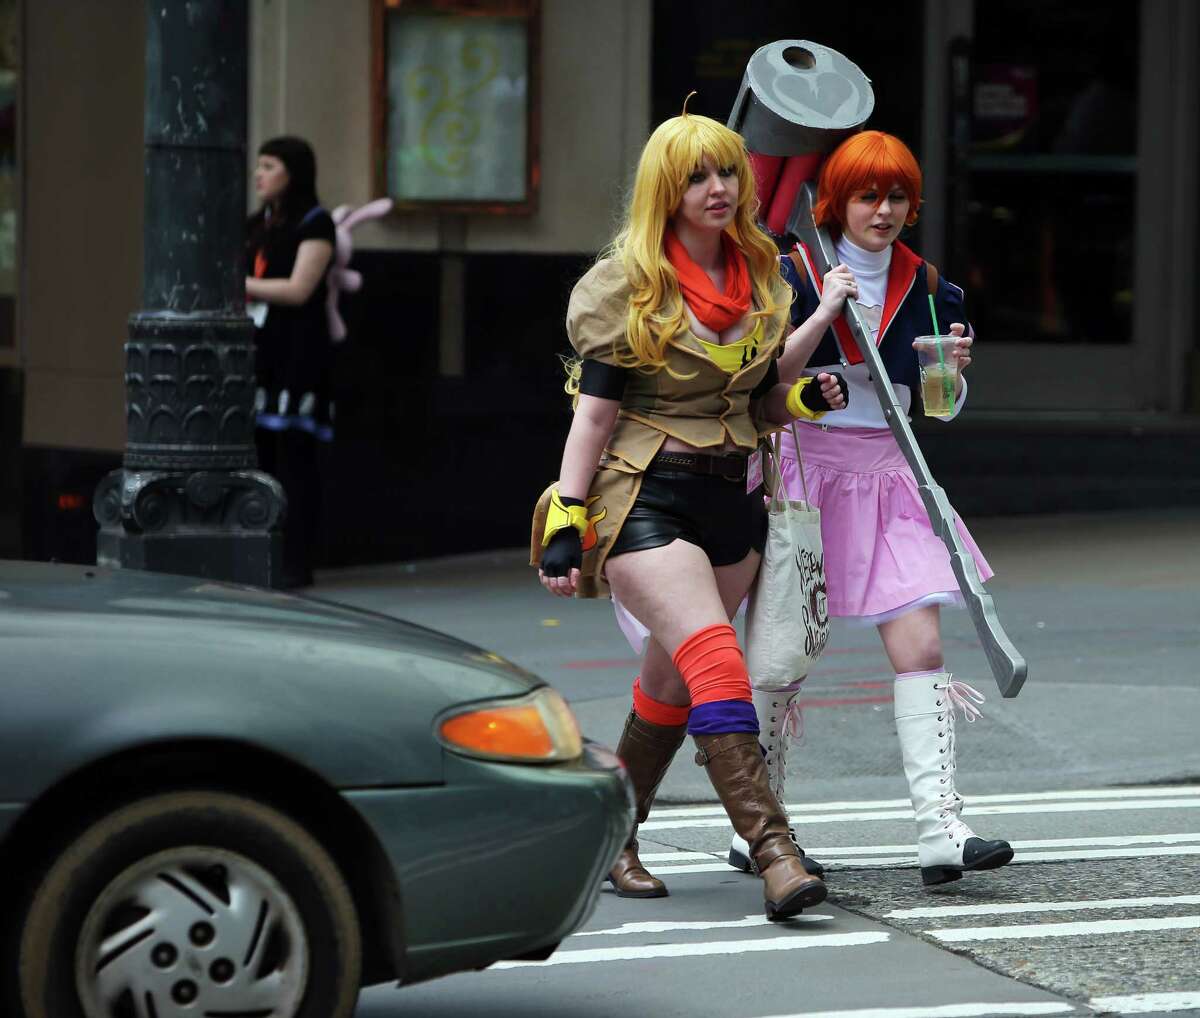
(192, 931)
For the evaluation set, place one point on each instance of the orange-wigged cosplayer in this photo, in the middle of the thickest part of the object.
(868, 159)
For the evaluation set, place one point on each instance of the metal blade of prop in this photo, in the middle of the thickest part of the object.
(1008, 666)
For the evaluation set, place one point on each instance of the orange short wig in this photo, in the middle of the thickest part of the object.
(864, 160)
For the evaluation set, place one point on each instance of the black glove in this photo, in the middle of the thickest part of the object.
(565, 550)
(811, 396)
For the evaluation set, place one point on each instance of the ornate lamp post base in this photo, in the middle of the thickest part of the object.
(189, 498)
(222, 525)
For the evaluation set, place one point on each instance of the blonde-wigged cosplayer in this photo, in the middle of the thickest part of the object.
(676, 150)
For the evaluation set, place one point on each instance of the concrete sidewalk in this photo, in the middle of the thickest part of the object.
(1106, 608)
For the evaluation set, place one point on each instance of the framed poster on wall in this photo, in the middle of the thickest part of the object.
(456, 104)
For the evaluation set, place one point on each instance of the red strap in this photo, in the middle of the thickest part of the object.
(900, 278)
(845, 337)
(901, 275)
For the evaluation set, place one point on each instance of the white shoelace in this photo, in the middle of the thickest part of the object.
(954, 826)
(965, 698)
(788, 728)
(793, 721)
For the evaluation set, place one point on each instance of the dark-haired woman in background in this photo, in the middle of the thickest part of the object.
(290, 242)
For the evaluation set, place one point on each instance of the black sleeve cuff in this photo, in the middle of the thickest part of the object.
(769, 381)
(603, 380)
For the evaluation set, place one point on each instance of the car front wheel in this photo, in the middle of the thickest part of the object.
(191, 903)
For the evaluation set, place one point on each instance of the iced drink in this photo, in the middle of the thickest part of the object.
(938, 364)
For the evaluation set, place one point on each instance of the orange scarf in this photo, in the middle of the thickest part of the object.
(715, 310)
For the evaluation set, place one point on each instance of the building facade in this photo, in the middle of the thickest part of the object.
(1058, 140)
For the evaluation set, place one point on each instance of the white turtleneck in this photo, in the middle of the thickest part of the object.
(870, 270)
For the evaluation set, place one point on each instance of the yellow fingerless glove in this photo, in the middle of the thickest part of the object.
(798, 409)
(559, 517)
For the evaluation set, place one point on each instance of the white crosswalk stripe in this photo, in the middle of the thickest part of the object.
(1158, 910)
(700, 867)
(1018, 908)
(1137, 1003)
(1131, 846)
(660, 821)
(1145, 1003)
(1145, 792)
(1091, 928)
(671, 856)
(1069, 855)
(1102, 841)
(975, 1010)
(628, 929)
(644, 952)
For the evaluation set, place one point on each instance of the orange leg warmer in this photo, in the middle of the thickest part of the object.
(655, 711)
(712, 665)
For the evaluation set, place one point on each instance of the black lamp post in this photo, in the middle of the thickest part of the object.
(189, 498)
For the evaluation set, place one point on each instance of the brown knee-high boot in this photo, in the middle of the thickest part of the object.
(647, 750)
(735, 767)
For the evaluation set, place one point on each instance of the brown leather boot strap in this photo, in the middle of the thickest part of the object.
(723, 745)
(777, 849)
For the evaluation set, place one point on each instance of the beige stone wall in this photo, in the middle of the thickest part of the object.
(82, 219)
(311, 75)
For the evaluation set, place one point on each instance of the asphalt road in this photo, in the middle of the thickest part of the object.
(1093, 773)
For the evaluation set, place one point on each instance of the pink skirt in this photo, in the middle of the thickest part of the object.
(882, 557)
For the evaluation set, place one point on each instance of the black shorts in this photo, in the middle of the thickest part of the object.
(715, 514)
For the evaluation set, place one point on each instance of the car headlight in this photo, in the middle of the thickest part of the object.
(538, 728)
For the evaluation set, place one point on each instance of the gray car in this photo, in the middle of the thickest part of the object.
(226, 800)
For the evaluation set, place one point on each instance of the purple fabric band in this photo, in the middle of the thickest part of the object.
(722, 716)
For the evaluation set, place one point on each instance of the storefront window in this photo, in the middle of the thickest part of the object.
(9, 77)
(1046, 214)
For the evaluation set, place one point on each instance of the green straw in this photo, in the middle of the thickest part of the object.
(946, 387)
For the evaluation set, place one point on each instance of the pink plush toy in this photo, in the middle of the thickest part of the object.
(341, 277)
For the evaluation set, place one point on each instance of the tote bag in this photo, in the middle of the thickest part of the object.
(787, 620)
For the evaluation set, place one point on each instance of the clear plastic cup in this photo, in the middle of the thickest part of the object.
(938, 363)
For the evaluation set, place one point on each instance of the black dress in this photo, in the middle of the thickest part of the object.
(292, 367)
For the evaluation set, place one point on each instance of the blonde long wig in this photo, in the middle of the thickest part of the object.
(675, 151)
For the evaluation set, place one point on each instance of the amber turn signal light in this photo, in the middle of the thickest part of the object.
(538, 728)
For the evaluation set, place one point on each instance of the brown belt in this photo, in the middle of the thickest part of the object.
(731, 467)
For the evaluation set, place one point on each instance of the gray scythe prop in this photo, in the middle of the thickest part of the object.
(797, 102)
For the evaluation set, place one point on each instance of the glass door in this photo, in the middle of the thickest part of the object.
(1042, 191)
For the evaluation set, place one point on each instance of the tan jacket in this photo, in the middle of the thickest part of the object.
(702, 406)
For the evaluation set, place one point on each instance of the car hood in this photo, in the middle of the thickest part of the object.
(96, 660)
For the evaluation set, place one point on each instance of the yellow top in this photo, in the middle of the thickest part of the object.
(734, 356)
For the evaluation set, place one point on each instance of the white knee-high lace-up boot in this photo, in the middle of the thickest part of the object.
(779, 722)
(946, 846)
